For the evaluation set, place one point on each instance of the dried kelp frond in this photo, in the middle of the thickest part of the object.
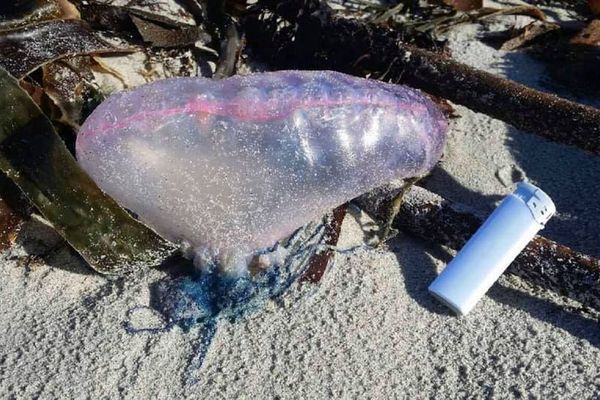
(231, 49)
(594, 6)
(161, 35)
(10, 223)
(14, 14)
(225, 35)
(25, 49)
(14, 209)
(151, 22)
(528, 34)
(571, 56)
(105, 17)
(589, 36)
(35, 158)
(274, 33)
(433, 18)
(465, 5)
(68, 83)
(160, 10)
(530, 11)
(440, 22)
(159, 30)
(235, 7)
(321, 260)
(34, 90)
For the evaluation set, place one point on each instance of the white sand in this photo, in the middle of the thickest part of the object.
(368, 330)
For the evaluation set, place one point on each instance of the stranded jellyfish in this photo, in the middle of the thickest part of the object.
(232, 166)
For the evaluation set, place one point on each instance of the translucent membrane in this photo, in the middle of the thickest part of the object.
(232, 166)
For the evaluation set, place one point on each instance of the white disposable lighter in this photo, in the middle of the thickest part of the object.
(494, 246)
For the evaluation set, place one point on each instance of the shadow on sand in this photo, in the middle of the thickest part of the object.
(419, 271)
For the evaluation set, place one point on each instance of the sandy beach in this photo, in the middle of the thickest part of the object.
(369, 329)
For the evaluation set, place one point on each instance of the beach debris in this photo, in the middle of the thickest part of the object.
(15, 209)
(493, 247)
(435, 18)
(231, 49)
(589, 36)
(569, 51)
(10, 223)
(321, 260)
(544, 262)
(25, 49)
(524, 9)
(465, 5)
(36, 159)
(159, 35)
(223, 29)
(71, 87)
(317, 39)
(26, 21)
(389, 14)
(116, 16)
(528, 34)
(20, 13)
(232, 166)
(153, 23)
(68, 83)
(594, 6)
(159, 24)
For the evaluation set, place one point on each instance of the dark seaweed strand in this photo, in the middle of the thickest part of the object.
(37, 160)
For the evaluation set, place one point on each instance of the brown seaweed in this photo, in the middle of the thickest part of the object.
(150, 24)
(18, 13)
(67, 83)
(163, 35)
(25, 49)
(36, 159)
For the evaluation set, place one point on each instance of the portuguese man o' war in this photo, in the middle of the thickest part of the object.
(230, 167)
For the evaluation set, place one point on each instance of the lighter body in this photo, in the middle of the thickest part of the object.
(493, 247)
